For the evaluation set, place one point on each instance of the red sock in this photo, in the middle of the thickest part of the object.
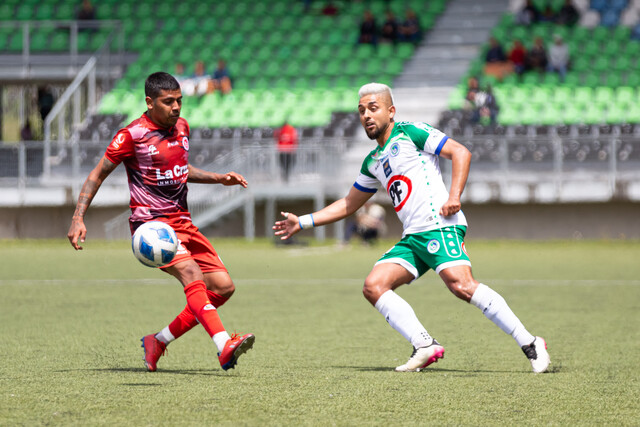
(200, 305)
(182, 324)
(216, 299)
(186, 320)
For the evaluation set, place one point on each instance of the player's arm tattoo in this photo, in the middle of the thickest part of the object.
(91, 186)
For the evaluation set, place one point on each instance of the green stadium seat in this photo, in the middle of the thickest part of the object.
(591, 79)
(616, 114)
(604, 95)
(572, 114)
(65, 12)
(625, 95)
(44, 11)
(582, 95)
(633, 79)
(572, 79)
(562, 95)
(612, 80)
(59, 42)
(24, 13)
(39, 41)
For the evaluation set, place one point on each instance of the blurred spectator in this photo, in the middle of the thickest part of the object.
(330, 9)
(45, 101)
(528, 15)
(473, 87)
(410, 30)
(568, 14)
(558, 57)
(548, 15)
(178, 73)
(496, 61)
(390, 29)
(495, 52)
(221, 78)
(518, 57)
(482, 104)
(287, 139)
(25, 133)
(199, 83)
(368, 29)
(537, 56)
(86, 12)
(369, 223)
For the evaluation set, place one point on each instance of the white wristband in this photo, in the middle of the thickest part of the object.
(306, 221)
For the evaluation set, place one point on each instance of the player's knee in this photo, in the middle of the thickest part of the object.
(227, 289)
(463, 289)
(373, 289)
(222, 286)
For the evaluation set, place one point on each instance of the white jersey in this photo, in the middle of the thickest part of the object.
(407, 167)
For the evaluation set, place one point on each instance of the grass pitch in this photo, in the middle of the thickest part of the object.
(71, 324)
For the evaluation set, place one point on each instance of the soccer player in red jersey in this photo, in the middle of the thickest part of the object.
(155, 152)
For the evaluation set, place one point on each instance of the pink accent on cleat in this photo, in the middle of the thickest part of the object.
(439, 354)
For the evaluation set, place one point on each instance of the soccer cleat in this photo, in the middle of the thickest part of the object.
(537, 354)
(422, 357)
(234, 348)
(153, 349)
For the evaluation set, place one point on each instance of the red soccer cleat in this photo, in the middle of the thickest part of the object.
(153, 349)
(235, 347)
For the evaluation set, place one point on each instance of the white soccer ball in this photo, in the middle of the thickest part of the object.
(154, 243)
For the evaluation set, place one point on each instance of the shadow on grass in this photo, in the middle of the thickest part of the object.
(158, 373)
(464, 372)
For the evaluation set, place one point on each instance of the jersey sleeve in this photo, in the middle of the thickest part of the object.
(426, 137)
(366, 181)
(121, 147)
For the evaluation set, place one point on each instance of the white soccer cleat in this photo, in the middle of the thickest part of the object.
(422, 357)
(538, 355)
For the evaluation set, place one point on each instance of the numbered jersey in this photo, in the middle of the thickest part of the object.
(157, 163)
(408, 169)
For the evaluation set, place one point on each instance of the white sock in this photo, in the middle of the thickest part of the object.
(165, 335)
(220, 339)
(402, 318)
(495, 308)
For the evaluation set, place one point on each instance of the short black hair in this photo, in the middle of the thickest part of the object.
(157, 82)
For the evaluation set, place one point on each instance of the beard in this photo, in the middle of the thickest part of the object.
(376, 132)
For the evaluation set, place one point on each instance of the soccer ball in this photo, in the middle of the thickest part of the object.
(154, 243)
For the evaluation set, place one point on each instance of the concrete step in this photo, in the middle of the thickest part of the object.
(465, 21)
(456, 36)
(446, 52)
(472, 8)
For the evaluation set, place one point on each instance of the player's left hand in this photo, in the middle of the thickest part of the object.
(287, 227)
(233, 178)
(451, 207)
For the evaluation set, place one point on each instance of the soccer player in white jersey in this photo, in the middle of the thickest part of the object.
(405, 162)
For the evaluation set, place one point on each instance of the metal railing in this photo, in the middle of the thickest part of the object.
(313, 175)
(506, 169)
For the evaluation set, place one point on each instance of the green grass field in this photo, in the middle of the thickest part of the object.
(71, 323)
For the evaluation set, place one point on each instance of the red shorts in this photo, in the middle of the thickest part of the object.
(193, 245)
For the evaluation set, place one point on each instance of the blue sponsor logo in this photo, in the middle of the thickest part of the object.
(387, 168)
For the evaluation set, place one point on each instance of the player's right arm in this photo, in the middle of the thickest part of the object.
(334, 212)
(77, 230)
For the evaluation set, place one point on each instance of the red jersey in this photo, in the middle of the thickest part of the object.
(157, 163)
(287, 138)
